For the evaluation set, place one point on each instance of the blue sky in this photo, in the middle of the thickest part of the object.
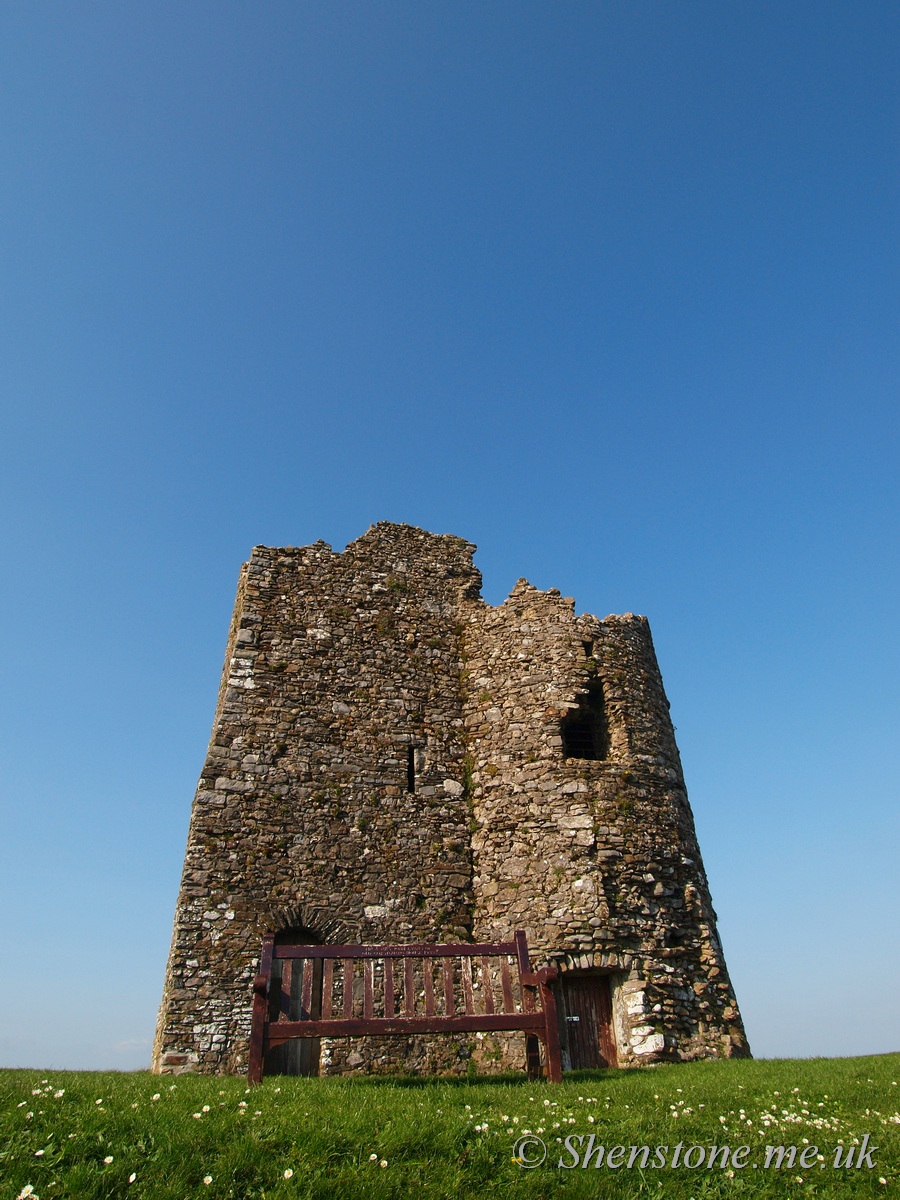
(610, 289)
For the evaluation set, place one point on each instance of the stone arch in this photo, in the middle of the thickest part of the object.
(324, 926)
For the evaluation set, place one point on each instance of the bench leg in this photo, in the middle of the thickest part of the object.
(257, 1030)
(551, 1035)
(532, 1056)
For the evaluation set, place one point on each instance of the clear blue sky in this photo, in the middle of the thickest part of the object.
(610, 289)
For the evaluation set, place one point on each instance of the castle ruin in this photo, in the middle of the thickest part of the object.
(393, 761)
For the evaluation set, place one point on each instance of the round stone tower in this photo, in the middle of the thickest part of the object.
(393, 760)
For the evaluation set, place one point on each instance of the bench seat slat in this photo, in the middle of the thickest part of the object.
(398, 1026)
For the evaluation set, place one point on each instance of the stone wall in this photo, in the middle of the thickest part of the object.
(596, 859)
(338, 668)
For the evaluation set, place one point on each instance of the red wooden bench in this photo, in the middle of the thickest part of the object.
(399, 977)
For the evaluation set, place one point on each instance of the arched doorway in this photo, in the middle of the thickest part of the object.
(300, 1056)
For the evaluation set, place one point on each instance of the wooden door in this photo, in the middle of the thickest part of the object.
(585, 1019)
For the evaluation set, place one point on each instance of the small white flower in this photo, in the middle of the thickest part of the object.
(383, 1163)
(132, 1177)
(242, 1103)
(155, 1096)
(207, 1179)
(197, 1116)
(205, 1108)
(27, 1190)
(108, 1159)
(881, 1178)
(100, 1101)
(373, 1158)
(39, 1153)
(22, 1104)
(288, 1173)
(58, 1095)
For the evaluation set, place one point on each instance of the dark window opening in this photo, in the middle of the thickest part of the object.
(588, 649)
(411, 769)
(585, 732)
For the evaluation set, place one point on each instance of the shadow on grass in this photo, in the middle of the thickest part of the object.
(423, 1082)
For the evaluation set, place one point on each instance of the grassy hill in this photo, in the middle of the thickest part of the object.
(87, 1135)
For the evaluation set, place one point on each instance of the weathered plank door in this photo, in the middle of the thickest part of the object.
(585, 1021)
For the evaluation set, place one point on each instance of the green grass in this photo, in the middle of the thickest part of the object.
(443, 1138)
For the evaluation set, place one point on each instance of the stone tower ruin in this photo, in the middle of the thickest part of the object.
(395, 761)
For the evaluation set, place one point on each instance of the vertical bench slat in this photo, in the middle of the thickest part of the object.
(428, 971)
(467, 985)
(524, 969)
(488, 987)
(284, 1008)
(368, 989)
(409, 991)
(306, 1009)
(508, 1003)
(449, 1005)
(388, 987)
(327, 986)
(348, 988)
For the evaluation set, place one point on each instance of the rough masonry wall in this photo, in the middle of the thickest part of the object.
(336, 665)
(596, 860)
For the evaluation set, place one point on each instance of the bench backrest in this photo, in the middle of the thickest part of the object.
(351, 991)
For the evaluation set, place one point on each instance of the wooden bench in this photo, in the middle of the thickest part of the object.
(399, 982)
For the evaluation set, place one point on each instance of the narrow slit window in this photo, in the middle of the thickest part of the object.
(585, 732)
(411, 768)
